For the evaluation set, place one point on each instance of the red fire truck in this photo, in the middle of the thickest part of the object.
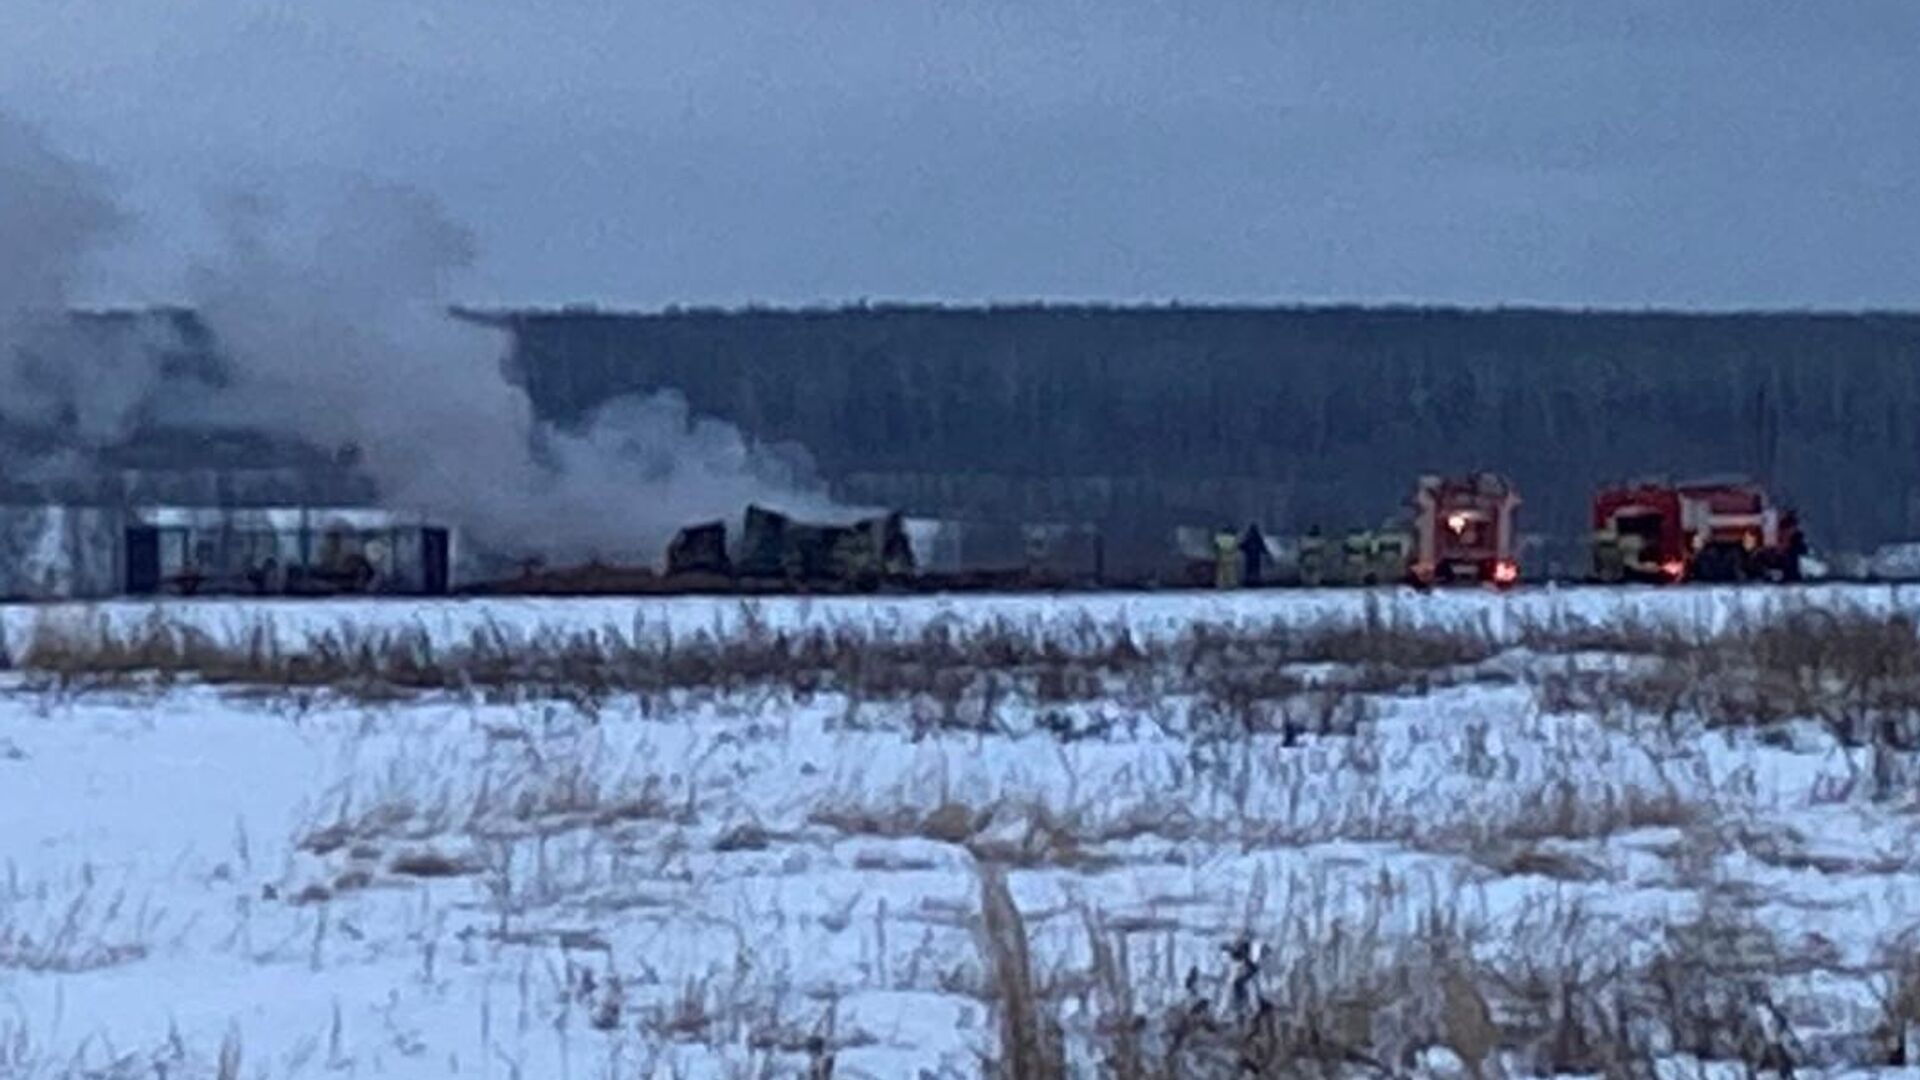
(1464, 531)
(1663, 532)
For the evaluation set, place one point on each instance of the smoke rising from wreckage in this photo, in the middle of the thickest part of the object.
(321, 350)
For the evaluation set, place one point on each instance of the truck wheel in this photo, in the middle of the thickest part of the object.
(1719, 563)
(1779, 567)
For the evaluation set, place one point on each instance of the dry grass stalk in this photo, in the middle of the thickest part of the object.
(1897, 1036)
(1856, 672)
(1113, 985)
(228, 1065)
(85, 934)
(1029, 1047)
(946, 663)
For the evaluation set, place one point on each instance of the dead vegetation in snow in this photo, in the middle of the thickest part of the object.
(1646, 904)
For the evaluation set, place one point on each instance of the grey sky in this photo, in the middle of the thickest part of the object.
(643, 153)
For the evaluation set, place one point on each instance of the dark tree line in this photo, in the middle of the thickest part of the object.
(1158, 416)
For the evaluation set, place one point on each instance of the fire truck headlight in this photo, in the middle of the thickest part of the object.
(1457, 522)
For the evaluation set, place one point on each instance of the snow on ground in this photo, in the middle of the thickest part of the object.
(706, 884)
(1705, 607)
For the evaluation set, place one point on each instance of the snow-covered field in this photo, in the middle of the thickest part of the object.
(1146, 613)
(788, 878)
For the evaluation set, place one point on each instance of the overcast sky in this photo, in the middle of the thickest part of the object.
(638, 153)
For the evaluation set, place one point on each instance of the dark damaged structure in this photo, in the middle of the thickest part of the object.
(861, 554)
(775, 550)
(771, 552)
(700, 550)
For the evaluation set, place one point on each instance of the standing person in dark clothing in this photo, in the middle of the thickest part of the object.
(1253, 555)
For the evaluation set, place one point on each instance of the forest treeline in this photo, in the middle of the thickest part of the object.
(1146, 417)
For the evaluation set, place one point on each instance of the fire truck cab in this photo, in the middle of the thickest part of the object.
(1705, 530)
(1464, 531)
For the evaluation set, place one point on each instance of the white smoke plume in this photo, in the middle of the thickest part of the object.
(333, 319)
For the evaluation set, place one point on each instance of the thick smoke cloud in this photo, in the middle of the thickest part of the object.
(55, 216)
(332, 317)
(63, 392)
